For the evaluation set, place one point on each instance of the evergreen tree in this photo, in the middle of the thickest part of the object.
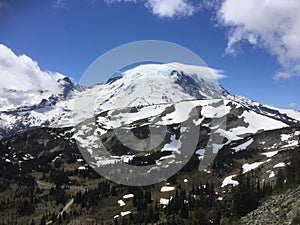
(184, 211)
(200, 216)
(279, 186)
(244, 196)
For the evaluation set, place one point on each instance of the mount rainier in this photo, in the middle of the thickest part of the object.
(144, 85)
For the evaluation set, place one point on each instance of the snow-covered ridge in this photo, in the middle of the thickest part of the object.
(210, 108)
(14, 100)
(242, 123)
(289, 112)
(283, 114)
(141, 86)
(146, 85)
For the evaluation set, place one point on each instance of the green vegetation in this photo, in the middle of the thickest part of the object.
(38, 188)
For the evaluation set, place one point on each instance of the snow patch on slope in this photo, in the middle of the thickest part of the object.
(248, 167)
(270, 154)
(229, 181)
(244, 145)
(257, 122)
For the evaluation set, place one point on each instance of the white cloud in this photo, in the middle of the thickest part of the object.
(59, 4)
(170, 8)
(165, 8)
(271, 24)
(22, 73)
(205, 72)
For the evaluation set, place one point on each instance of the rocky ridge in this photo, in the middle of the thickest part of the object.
(280, 209)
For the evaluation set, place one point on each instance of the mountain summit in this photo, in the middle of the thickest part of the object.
(156, 84)
(165, 83)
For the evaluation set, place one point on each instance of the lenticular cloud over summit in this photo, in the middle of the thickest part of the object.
(23, 74)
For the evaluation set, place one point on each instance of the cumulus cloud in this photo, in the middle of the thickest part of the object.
(165, 8)
(23, 74)
(170, 8)
(273, 25)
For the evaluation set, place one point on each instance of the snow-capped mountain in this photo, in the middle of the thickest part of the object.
(13, 99)
(174, 110)
(155, 84)
(283, 114)
(22, 110)
(145, 85)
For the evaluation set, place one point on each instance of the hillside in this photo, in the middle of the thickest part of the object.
(161, 144)
(44, 178)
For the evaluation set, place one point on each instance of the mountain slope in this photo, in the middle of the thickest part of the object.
(287, 115)
(182, 120)
(218, 124)
(144, 85)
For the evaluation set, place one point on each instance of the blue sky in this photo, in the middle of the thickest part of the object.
(66, 36)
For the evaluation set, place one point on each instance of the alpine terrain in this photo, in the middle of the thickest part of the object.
(170, 145)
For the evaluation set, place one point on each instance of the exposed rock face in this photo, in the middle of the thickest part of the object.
(281, 209)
